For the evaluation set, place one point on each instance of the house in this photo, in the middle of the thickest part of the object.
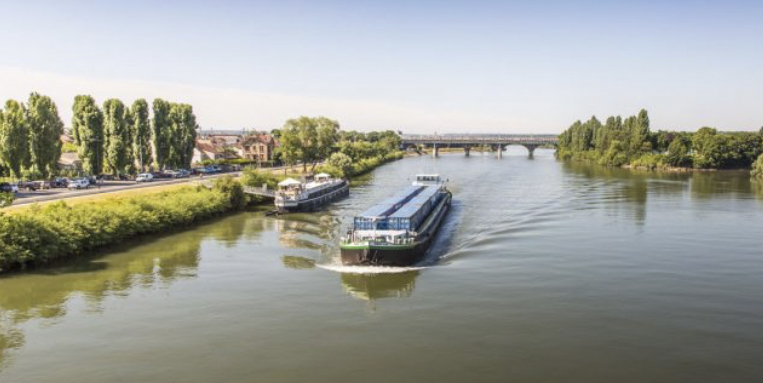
(257, 147)
(210, 150)
(70, 161)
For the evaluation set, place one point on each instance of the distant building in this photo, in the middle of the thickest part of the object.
(259, 147)
(65, 138)
(70, 161)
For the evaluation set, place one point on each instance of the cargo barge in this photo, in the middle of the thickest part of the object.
(398, 231)
(295, 196)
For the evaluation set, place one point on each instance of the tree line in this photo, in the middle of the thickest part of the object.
(620, 142)
(113, 139)
(124, 140)
(312, 139)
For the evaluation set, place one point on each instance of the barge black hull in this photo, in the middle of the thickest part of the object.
(389, 256)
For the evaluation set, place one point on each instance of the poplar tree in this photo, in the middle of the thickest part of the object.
(141, 133)
(14, 138)
(117, 136)
(45, 130)
(186, 133)
(129, 160)
(160, 132)
(87, 131)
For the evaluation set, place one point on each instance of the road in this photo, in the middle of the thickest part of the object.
(26, 198)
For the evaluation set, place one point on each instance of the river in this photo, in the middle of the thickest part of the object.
(543, 272)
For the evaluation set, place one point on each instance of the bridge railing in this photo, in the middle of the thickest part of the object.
(261, 191)
(488, 139)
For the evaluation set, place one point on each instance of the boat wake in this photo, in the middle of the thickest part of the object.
(368, 269)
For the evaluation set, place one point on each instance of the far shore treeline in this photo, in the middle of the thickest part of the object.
(630, 142)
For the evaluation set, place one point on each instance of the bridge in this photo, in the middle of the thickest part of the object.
(496, 142)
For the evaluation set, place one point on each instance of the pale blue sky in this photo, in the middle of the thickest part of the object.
(417, 66)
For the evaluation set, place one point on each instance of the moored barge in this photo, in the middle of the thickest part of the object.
(295, 196)
(399, 230)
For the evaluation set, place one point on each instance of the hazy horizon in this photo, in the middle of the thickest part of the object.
(449, 67)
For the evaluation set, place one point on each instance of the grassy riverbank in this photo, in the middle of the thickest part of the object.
(42, 233)
(59, 230)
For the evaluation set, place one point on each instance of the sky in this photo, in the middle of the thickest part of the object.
(416, 66)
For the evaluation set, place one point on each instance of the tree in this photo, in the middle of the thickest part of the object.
(341, 162)
(141, 133)
(14, 138)
(300, 139)
(182, 135)
(129, 166)
(678, 152)
(327, 135)
(117, 137)
(45, 130)
(757, 168)
(160, 132)
(87, 129)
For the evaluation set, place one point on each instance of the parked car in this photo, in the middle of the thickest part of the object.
(182, 173)
(28, 185)
(79, 183)
(59, 182)
(144, 177)
(9, 188)
(161, 175)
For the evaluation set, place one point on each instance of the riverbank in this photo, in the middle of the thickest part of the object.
(59, 230)
(36, 234)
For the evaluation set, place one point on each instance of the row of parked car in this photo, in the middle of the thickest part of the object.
(148, 177)
(33, 185)
(86, 182)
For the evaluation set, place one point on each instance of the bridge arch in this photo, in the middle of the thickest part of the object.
(497, 142)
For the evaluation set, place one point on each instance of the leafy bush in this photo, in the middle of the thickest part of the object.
(341, 163)
(256, 178)
(757, 167)
(233, 189)
(6, 199)
(650, 161)
(59, 230)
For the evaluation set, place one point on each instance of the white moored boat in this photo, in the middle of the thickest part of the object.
(295, 196)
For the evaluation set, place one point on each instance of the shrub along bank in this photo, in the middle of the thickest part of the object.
(337, 166)
(59, 230)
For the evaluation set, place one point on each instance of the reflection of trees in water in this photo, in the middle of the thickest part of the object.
(314, 232)
(297, 262)
(612, 188)
(43, 293)
(705, 185)
(381, 285)
(617, 186)
(757, 188)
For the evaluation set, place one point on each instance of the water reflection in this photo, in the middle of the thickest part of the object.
(380, 285)
(625, 190)
(146, 263)
(297, 262)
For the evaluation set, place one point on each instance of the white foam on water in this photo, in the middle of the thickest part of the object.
(368, 269)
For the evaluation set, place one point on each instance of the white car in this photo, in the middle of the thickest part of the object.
(9, 188)
(145, 177)
(80, 183)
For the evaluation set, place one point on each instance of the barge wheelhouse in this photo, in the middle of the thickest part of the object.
(295, 196)
(399, 230)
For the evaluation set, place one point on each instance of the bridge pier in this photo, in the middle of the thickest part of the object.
(530, 150)
(467, 150)
(435, 151)
(500, 151)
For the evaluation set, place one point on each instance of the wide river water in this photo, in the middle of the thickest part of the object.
(543, 272)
